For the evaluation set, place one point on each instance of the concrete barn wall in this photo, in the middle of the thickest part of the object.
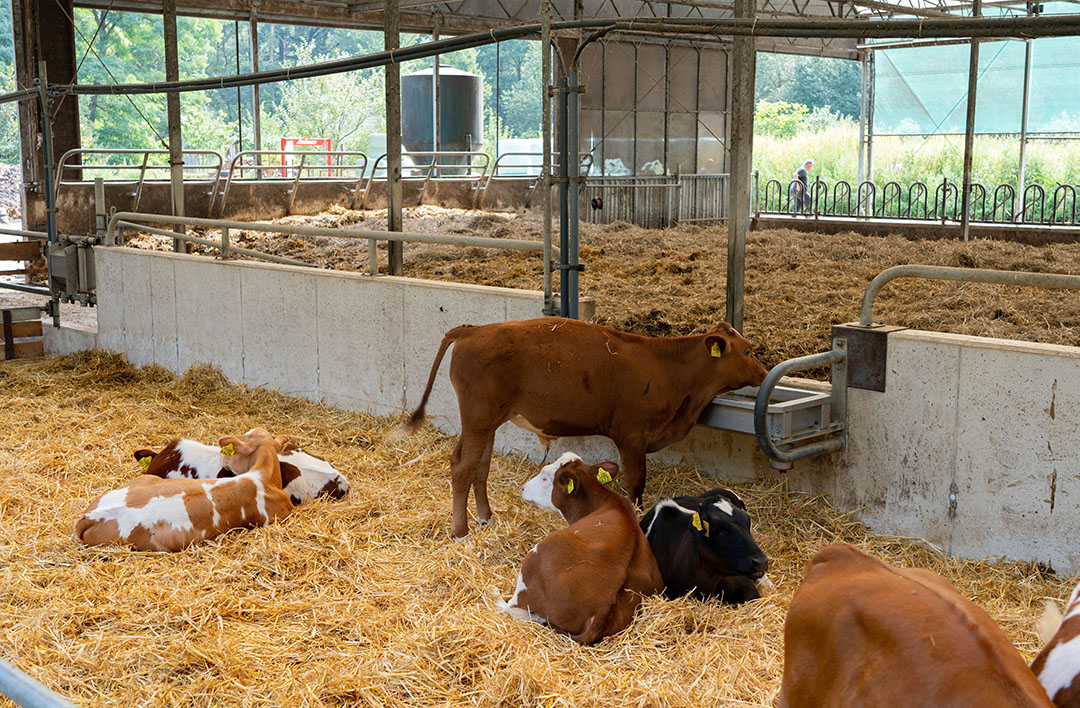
(1000, 419)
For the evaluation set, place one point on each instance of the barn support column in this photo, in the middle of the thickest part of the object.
(969, 129)
(172, 111)
(393, 137)
(436, 106)
(545, 182)
(43, 32)
(1018, 208)
(256, 99)
(742, 141)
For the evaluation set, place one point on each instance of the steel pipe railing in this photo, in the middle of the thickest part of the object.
(237, 168)
(761, 406)
(142, 168)
(971, 275)
(131, 220)
(27, 692)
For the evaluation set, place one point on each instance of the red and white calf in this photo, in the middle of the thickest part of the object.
(1058, 664)
(155, 514)
(303, 476)
(586, 580)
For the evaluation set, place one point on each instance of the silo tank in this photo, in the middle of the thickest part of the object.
(462, 122)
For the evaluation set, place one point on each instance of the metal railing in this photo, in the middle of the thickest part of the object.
(211, 171)
(970, 275)
(27, 692)
(326, 166)
(837, 358)
(443, 165)
(530, 167)
(120, 221)
(649, 202)
(703, 198)
(921, 202)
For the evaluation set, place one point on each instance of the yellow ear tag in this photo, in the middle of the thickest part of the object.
(145, 462)
(570, 487)
(716, 351)
(700, 524)
(603, 476)
(228, 451)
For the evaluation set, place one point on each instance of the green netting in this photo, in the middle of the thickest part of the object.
(923, 90)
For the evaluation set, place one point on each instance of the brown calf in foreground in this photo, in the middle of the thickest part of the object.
(860, 632)
(155, 514)
(557, 377)
(588, 579)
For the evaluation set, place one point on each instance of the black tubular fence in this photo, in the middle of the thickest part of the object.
(919, 201)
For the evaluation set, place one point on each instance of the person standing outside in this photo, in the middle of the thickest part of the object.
(800, 187)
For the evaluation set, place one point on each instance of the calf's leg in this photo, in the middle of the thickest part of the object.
(473, 451)
(483, 508)
(632, 458)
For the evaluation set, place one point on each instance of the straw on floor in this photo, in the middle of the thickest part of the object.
(364, 601)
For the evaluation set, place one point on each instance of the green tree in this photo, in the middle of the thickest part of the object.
(779, 119)
(816, 82)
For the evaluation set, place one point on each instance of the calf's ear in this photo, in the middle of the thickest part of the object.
(567, 481)
(716, 345)
(606, 471)
(733, 497)
(282, 441)
(230, 445)
(140, 454)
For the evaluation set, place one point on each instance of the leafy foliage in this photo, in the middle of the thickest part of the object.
(816, 82)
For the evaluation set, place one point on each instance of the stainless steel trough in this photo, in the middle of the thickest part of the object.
(793, 414)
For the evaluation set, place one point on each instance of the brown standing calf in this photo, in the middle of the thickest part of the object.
(1058, 664)
(588, 579)
(860, 632)
(557, 377)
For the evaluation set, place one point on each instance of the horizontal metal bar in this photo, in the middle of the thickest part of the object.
(971, 275)
(215, 244)
(26, 692)
(41, 235)
(1059, 25)
(19, 95)
(131, 219)
(26, 288)
(761, 408)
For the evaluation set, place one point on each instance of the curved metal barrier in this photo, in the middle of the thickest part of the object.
(972, 275)
(786, 452)
(144, 166)
(338, 163)
(26, 692)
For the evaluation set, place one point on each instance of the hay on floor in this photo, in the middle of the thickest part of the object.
(364, 601)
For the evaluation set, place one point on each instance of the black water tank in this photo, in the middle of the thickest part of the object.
(462, 98)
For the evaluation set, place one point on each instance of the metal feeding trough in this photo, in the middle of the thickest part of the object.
(790, 423)
(793, 415)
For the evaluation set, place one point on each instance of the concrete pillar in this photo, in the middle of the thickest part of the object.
(969, 128)
(393, 137)
(43, 31)
(743, 70)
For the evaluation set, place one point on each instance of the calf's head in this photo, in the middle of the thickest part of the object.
(725, 541)
(245, 451)
(734, 362)
(569, 486)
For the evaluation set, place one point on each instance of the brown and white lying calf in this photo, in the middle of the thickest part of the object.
(860, 632)
(155, 514)
(303, 476)
(1058, 664)
(586, 580)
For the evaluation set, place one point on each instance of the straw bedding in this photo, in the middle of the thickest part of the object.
(672, 282)
(364, 601)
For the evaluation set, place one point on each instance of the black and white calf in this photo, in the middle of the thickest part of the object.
(703, 545)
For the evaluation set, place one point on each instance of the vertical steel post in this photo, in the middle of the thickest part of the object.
(1018, 207)
(573, 198)
(742, 140)
(864, 74)
(436, 105)
(256, 102)
(99, 208)
(172, 110)
(391, 41)
(564, 210)
(224, 243)
(969, 129)
(498, 95)
(42, 83)
(239, 94)
(545, 181)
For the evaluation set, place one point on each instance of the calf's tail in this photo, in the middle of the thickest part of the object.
(417, 416)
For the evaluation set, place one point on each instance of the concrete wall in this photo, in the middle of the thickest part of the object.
(999, 419)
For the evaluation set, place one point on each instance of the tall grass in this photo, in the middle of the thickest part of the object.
(835, 148)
